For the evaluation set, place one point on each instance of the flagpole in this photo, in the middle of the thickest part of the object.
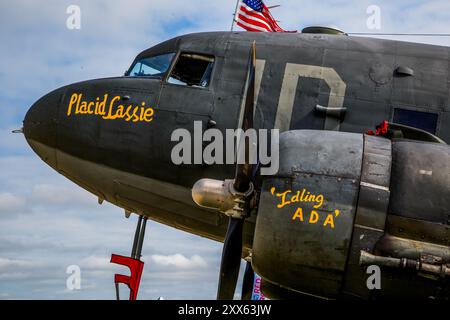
(234, 15)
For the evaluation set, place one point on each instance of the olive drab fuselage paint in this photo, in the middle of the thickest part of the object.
(112, 136)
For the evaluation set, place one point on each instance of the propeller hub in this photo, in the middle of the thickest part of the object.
(222, 196)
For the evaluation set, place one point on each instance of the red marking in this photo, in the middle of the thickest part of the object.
(382, 129)
(133, 280)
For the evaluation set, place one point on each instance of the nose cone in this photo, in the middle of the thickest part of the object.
(40, 126)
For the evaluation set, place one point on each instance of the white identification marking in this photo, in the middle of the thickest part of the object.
(289, 89)
(367, 228)
(373, 186)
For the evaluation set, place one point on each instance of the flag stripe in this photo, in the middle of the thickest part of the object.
(258, 17)
(255, 23)
(271, 19)
(253, 15)
(248, 27)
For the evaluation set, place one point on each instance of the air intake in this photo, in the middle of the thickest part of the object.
(324, 30)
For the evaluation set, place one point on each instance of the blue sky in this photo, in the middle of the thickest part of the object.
(46, 222)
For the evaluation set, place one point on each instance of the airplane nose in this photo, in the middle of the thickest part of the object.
(40, 126)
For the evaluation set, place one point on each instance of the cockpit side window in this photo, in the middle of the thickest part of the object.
(155, 66)
(192, 69)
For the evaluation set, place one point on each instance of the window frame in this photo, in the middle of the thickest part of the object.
(174, 57)
(419, 109)
(174, 63)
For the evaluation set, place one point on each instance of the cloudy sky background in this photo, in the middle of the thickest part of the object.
(46, 222)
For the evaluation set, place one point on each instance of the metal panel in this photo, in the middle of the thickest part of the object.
(370, 220)
(304, 244)
(421, 181)
(321, 152)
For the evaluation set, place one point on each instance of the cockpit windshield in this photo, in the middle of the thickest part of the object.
(155, 66)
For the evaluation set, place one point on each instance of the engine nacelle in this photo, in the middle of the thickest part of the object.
(338, 193)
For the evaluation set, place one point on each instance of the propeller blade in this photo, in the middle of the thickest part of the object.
(231, 259)
(232, 247)
(249, 106)
(244, 171)
(247, 282)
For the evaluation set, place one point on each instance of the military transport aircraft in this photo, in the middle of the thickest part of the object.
(341, 201)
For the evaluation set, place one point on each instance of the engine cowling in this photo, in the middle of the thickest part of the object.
(337, 194)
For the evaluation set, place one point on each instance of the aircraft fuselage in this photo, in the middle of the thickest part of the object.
(113, 136)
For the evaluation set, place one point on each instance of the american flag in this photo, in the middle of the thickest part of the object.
(253, 15)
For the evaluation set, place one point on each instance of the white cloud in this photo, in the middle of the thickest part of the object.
(95, 262)
(65, 225)
(179, 261)
(15, 276)
(15, 269)
(10, 203)
(11, 264)
(61, 195)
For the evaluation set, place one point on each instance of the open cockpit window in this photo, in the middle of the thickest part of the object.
(155, 66)
(192, 69)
